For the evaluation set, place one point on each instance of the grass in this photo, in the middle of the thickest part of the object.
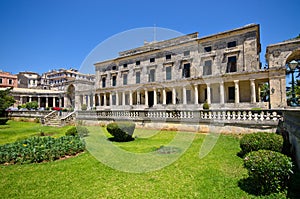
(215, 176)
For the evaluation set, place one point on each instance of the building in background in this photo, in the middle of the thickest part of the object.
(8, 80)
(28, 80)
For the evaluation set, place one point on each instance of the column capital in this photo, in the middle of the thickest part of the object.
(236, 81)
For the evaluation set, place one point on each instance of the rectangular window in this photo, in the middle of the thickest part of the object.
(10, 81)
(186, 53)
(113, 99)
(138, 77)
(207, 68)
(231, 93)
(114, 80)
(152, 75)
(0, 80)
(186, 70)
(124, 65)
(114, 68)
(231, 65)
(188, 96)
(168, 57)
(103, 82)
(152, 60)
(124, 79)
(231, 44)
(137, 63)
(207, 49)
(168, 73)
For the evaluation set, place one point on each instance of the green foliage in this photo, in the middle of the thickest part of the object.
(265, 92)
(121, 131)
(39, 149)
(5, 101)
(32, 105)
(3, 120)
(79, 130)
(269, 171)
(257, 141)
(206, 105)
(37, 120)
(84, 107)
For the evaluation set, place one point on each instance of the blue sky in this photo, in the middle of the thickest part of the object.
(39, 35)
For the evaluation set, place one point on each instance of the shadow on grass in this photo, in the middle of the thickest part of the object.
(113, 139)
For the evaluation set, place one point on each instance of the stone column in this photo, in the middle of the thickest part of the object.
(196, 93)
(39, 101)
(110, 99)
(138, 97)
(252, 90)
(117, 98)
(66, 102)
(173, 96)
(123, 98)
(53, 103)
(154, 96)
(208, 100)
(88, 102)
(94, 99)
(104, 100)
(184, 95)
(30, 98)
(47, 105)
(59, 102)
(130, 98)
(259, 90)
(164, 96)
(236, 91)
(99, 99)
(146, 97)
(21, 99)
(222, 96)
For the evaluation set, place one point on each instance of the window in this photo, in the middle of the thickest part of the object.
(231, 65)
(152, 75)
(207, 67)
(124, 79)
(114, 68)
(103, 82)
(231, 93)
(207, 49)
(188, 96)
(186, 70)
(137, 63)
(168, 57)
(168, 73)
(0, 80)
(124, 65)
(113, 99)
(138, 77)
(152, 60)
(10, 81)
(231, 44)
(34, 81)
(186, 53)
(114, 80)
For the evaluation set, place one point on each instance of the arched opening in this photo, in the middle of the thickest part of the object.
(71, 95)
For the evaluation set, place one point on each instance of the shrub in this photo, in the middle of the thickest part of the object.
(79, 130)
(32, 105)
(121, 131)
(37, 120)
(3, 120)
(257, 141)
(84, 107)
(269, 171)
(39, 149)
(206, 105)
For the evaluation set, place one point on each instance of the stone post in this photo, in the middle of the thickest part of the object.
(236, 91)
(252, 90)
(117, 98)
(138, 97)
(196, 93)
(154, 96)
(173, 95)
(184, 95)
(222, 96)
(208, 100)
(164, 96)
(130, 98)
(146, 97)
(104, 100)
(123, 98)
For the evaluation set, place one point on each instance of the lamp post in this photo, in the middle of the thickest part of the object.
(292, 65)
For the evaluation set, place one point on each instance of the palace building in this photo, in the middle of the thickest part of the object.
(223, 70)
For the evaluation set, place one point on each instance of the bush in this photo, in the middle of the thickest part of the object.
(79, 130)
(32, 105)
(257, 141)
(83, 107)
(121, 131)
(205, 105)
(269, 171)
(39, 149)
(3, 120)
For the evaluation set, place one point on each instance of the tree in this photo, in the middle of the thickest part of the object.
(265, 92)
(6, 101)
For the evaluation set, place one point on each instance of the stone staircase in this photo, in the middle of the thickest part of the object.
(54, 119)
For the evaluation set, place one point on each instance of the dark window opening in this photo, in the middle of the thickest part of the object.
(114, 80)
(124, 65)
(231, 65)
(186, 53)
(207, 49)
(152, 60)
(231, 93)
(168, 57)
(168, 73)
(186, 70)
(207, 68)
(137, 63)
(231, 44)
(152, 75)
(103, 82)
(137, 77)
(114, 68)
(188, 96)
(124, 79)
(10, 81)
(114, 100)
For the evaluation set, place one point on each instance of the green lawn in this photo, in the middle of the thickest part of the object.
(214, 176)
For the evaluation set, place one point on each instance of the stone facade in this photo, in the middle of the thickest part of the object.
(28, 80)
(8, 80)
(182, 73)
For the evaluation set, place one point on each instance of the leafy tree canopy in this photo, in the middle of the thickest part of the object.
(5, 101)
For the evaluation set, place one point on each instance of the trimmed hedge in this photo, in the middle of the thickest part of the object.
(3, 120)
(79, 130)
(40, 149)
(121, 131)
(258, 141)
(269, 171)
